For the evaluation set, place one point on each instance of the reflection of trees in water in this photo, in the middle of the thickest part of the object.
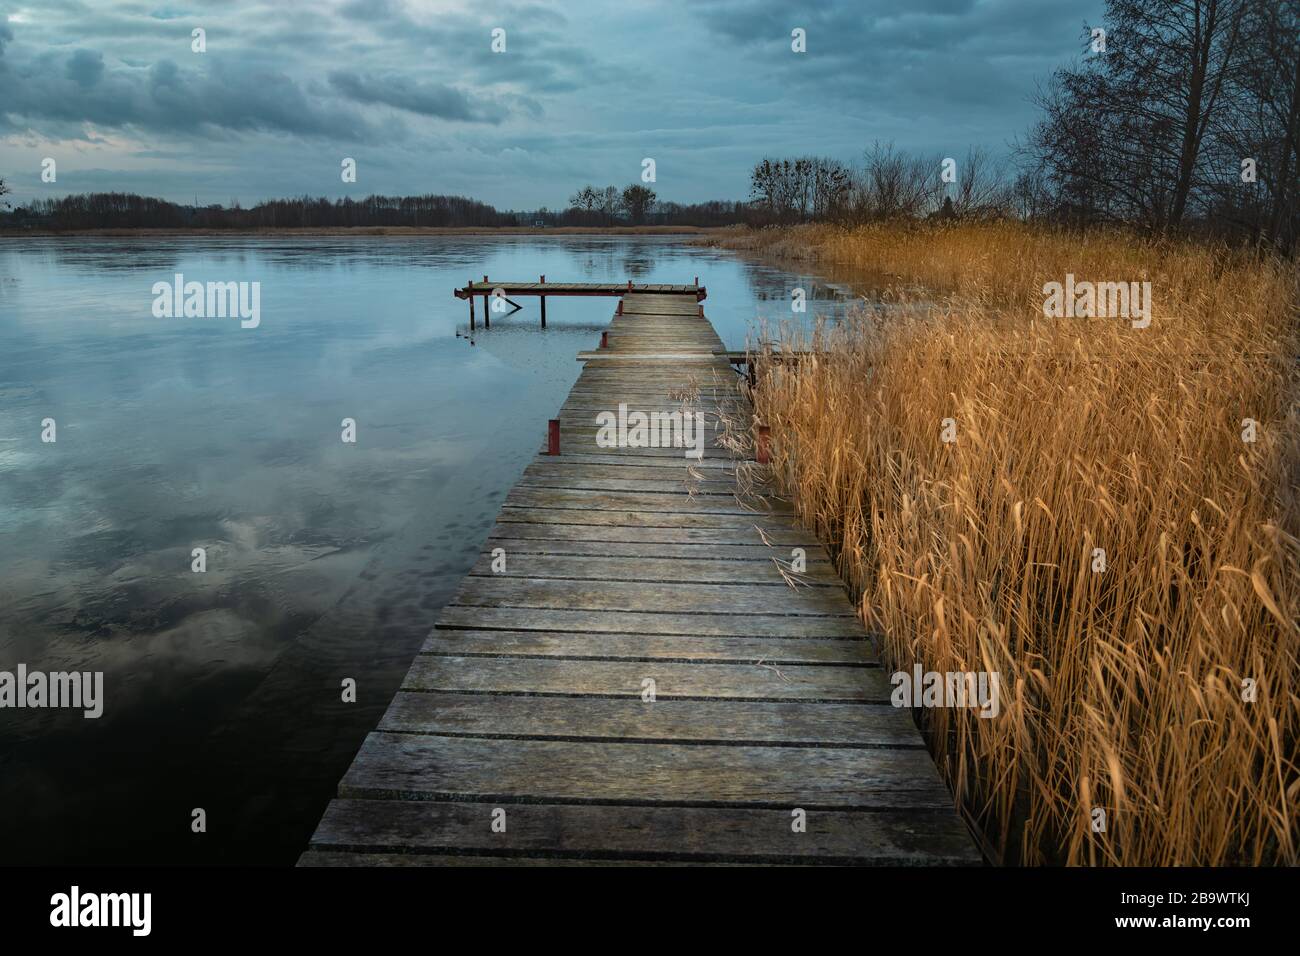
(637, 266)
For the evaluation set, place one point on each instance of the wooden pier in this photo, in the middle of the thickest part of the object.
(627, 674)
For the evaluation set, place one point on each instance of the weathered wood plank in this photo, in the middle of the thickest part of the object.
(662, 485)
(748, 528)
(889, 837)
(408, 766)
(649, 570)
(719, 466)
(720, 625)
(413, 858)
(671, 679)
(688, 722)
(723, 554)
(779, 600)
(647, 502)
(737, 650)
(745, 535)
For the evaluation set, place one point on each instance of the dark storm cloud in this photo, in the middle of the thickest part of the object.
(427, 99)
(913, 55)
(413, 90)
(85, 68)
(77, 88)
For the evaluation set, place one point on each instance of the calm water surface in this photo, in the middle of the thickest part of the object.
(325, 560)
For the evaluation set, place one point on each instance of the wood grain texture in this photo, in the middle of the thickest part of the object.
(591, 833)
(725, 723)
(580, 645)
(416, 767)
(698, 680)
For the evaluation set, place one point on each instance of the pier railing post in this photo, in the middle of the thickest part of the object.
(604, 340)
(763, 445)
(543, 298)
(553, 437)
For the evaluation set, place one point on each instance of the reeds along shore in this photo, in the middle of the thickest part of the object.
(1101, 532)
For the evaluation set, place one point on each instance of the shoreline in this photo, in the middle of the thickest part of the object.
(368, 231)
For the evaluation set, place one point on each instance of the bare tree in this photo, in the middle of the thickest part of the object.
(979, 191)
(637, 200)
(1125, 131)
(1256, 144)
(893, 185)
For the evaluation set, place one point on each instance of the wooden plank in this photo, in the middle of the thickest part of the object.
(419, 767)
(647, 570)
(645, 502)
(780, 538)
(665, 622)
(666, 486)
(620, 461)
(739, 599)
(558, 473)
(645, 647)
(727, 554)
(888, 837)
(406, 857)
(665, 293)
(712, 405)
(672, 679)
(411, 858)
(745, 528)
(687, 722)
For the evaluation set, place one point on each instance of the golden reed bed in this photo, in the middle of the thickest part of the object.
(1160, 691)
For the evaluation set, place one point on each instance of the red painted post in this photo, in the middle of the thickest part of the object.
(553, 437)
(620, 307)
(701, 308)
(629, 285)
(604, 340)
(763, 453)
(543, 298)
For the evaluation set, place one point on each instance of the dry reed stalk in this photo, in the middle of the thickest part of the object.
(1122, 689)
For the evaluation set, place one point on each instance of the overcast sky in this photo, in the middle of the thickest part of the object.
(583, 92)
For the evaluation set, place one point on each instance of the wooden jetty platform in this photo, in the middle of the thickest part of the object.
(640, 683)
(488, 288)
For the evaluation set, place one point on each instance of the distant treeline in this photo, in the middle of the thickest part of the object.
(129, 211)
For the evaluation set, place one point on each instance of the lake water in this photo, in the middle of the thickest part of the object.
(325, 560)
